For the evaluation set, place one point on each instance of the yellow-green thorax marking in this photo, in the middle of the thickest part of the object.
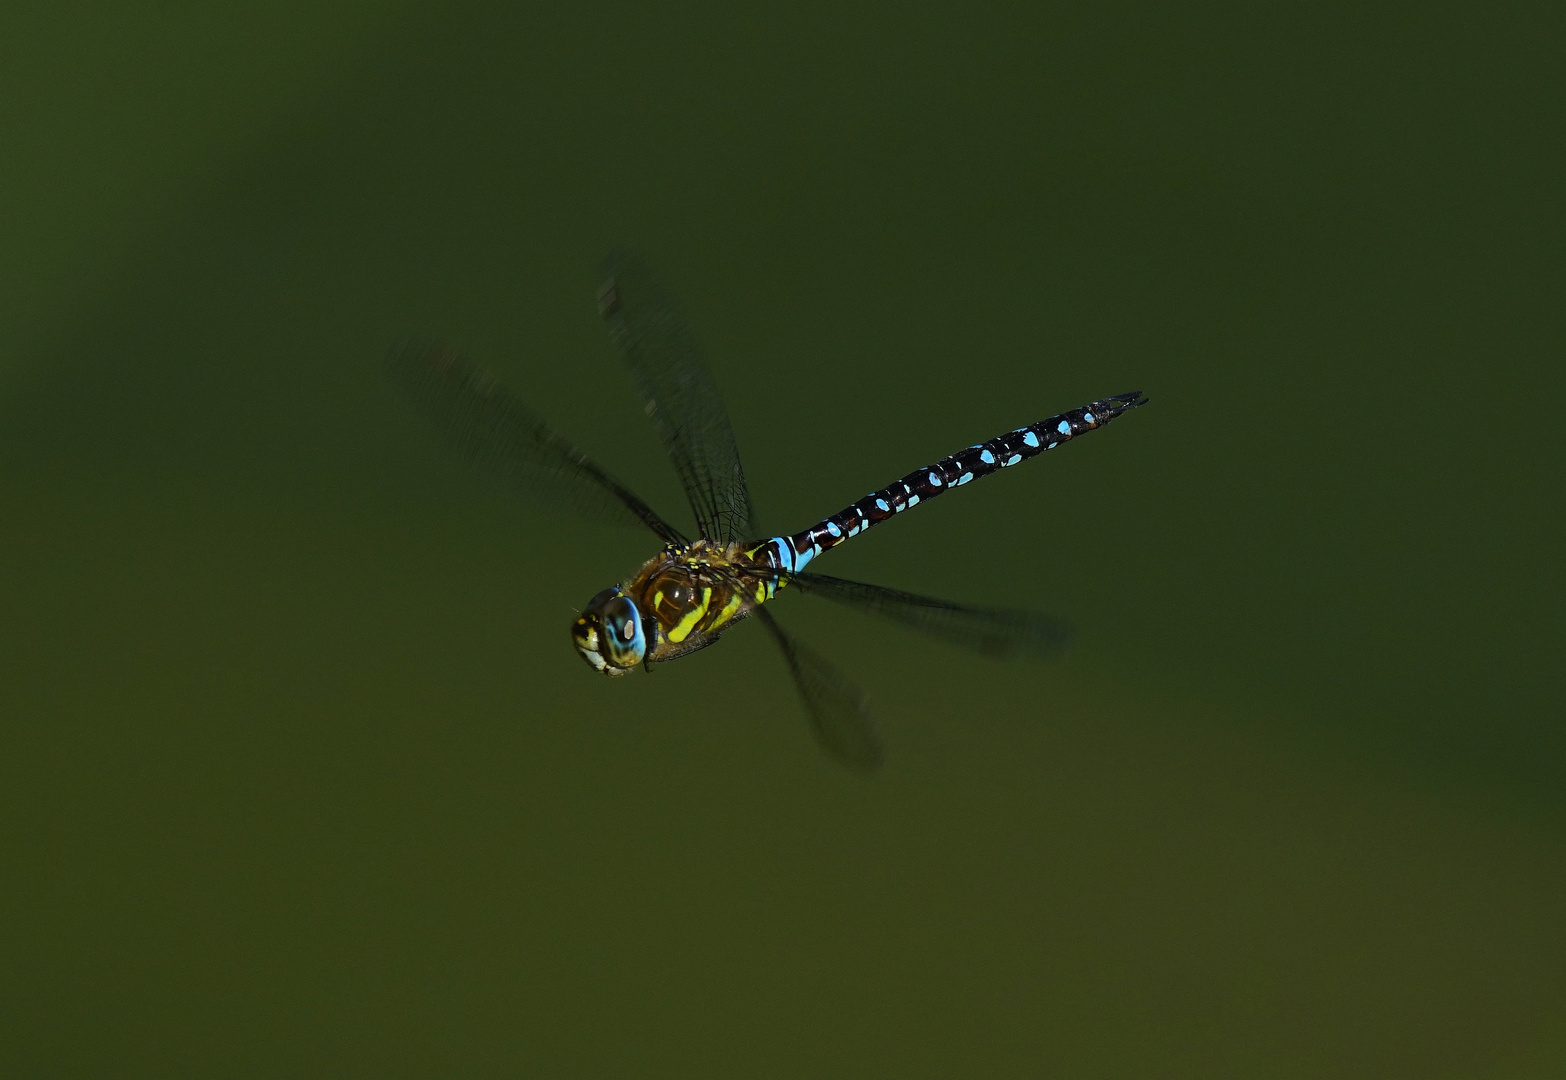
(684, 598)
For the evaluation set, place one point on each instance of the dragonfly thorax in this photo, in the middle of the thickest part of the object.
(682, 599)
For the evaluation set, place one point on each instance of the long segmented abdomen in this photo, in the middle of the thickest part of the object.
(792, 553)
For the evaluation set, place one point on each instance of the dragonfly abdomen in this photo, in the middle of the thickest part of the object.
(792, 553)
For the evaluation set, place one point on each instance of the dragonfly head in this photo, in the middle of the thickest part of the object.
(609, 634)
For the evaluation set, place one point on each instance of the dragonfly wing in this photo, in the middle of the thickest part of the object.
(492, 429)
(681, 398)
(838, 713)
(1002, 632)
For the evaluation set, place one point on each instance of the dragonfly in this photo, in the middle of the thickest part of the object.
(696, 588)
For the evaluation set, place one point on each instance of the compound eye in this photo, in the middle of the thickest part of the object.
(602, 598)
(622, 642)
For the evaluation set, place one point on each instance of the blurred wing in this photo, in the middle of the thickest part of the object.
(838, 714)
(1001, 632)
(495, 431)
(680, 396)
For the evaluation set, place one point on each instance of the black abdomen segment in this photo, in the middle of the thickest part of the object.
(950, 472)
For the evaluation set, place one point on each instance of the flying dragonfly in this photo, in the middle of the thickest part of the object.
(694, 589)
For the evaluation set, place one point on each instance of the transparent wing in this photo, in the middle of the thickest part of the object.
(680, 396)
(1001, 632)
(492, 429)
(838, 713)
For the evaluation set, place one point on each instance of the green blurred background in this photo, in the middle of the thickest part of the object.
(300, 777)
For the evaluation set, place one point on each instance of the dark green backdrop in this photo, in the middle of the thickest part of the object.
(299, 775)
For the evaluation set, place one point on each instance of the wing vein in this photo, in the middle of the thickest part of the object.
(486, 424)
(680, 396)
(994, 631)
